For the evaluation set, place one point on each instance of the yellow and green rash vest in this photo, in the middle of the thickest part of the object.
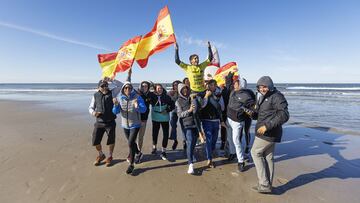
(195, 75)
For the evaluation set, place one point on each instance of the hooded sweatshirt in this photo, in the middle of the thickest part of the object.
(271, 111)
(130, 116)
(182, 106)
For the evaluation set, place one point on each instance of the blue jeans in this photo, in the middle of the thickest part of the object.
(173, 124)
(211, 130)
(191, 138)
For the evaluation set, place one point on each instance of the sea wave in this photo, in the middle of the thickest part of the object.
(323, 88)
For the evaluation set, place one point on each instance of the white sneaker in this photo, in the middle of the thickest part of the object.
(191, 169)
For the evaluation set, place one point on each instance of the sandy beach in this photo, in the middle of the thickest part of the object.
(46, 156)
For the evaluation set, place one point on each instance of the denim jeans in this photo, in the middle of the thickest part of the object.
(211, 130)
(191, 138)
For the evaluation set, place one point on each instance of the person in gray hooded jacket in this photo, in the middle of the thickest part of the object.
(271, 112)
(185, 110)
(130, 105)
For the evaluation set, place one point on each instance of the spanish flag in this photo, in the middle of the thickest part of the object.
(119, 61)
(161, 36)
(222, 72)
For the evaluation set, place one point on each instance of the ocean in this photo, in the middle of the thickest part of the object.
(334, 106)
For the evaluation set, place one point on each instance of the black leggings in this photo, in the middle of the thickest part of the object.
(155, 132)
(131, 135)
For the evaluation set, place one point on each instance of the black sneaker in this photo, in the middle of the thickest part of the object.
(163, 156)
(130, 169)
(241, 167)
(138, 157)
(153, 151)
(174, 145)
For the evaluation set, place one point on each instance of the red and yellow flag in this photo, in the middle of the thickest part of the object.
(120, 61)
(222, 72)
(161, 36)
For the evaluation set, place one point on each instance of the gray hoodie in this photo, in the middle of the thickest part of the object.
(183, 104)
(266, 81)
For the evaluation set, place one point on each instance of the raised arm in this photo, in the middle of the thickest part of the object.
(210, 52)
(128, 79)
(177, 58)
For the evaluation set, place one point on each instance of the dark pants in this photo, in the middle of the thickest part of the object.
(131, 135)
(173, 123)
(246, 131)
(191, 138)
(100, 129)
(223, 134)
(155, 132)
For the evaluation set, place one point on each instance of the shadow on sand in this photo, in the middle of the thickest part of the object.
(316, 143)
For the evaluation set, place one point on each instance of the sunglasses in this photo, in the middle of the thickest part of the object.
(127, 87)
(103, 86)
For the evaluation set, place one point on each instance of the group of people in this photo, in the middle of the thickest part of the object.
(202, 109)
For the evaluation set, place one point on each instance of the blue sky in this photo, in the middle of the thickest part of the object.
(291, 41)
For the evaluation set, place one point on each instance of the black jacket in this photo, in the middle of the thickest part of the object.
(272, 111)
(238, 100)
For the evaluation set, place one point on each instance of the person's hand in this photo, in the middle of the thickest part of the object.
(176, 46)
(107, 79)
(261, 130)
(223, 124)
(192, 108)
(208, 93)
(230, 75)
(115, 101)
(97, 114)
(202, 137)
(136, 105)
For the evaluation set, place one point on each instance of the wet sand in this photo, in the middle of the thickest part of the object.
(46, 156)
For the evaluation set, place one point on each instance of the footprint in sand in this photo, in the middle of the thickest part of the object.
(282, 180)
(235, 174)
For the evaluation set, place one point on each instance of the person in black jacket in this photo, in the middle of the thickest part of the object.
(239, 98)
(271, 112)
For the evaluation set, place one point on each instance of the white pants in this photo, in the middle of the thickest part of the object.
(237, 127)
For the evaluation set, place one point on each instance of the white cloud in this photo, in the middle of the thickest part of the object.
(52, 36)
(200, 42)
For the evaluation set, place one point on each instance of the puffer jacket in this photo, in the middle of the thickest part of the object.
(182, 106)
(271, 110)
(130, 116)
